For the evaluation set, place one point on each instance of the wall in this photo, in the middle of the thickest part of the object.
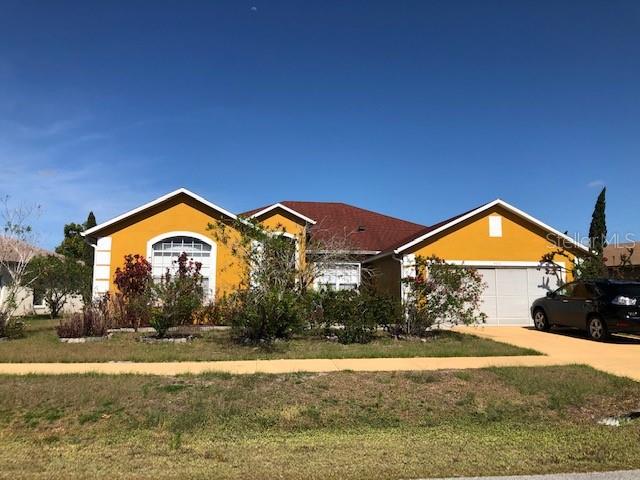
(180, 213)
(521, 240)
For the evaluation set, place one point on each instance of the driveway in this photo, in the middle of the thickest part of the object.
(621, 356)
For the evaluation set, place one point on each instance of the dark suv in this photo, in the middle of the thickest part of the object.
(600, 307)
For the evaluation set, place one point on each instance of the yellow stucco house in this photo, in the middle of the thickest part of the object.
(504, 243)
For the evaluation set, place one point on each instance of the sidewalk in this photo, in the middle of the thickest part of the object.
(619, 358)
(278, 366)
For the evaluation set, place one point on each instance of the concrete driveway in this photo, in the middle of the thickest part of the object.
(620, 356)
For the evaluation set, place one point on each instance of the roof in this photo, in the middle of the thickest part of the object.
(613, 252)
(153, 203)
(13, 250)
(363, 230)
(285, 208)
(428, 232)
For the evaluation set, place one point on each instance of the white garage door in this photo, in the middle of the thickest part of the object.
(510, 292)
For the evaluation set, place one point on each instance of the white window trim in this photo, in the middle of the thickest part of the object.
(198, 236)
(316, 283)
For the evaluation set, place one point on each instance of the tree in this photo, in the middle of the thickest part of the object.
(594, 265)
(266, 306)
(598, 227)
(89, 251)
(75, 247)
(16, 251)
(58, 278)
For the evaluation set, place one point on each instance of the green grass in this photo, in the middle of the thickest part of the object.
(316, 426)
(42, 345)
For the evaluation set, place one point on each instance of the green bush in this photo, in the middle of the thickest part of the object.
(12, 328)
(354, 317)
(258, 315)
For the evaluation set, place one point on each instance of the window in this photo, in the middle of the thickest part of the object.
(583, 291)
(38, 298)
(165, 254)
(339, 276)
(565, 291)
(495, 226)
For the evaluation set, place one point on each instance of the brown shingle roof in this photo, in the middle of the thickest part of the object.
(426, 230)
(364, 230)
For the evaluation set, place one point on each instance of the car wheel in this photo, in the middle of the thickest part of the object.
(540, 320)
(597, 329)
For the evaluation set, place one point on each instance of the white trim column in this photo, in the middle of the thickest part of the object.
(101, 266)
(407, 270)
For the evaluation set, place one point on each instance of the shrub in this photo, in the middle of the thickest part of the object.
(209, 314)
(92, 322)
(72, 327)
(357, 315)
(441, 294)
(179, 296)
(134, 283)
(11, 327)
(258, 316)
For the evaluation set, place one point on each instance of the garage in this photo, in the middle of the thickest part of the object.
(510, 292)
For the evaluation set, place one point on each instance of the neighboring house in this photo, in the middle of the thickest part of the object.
(29, 302)
(505, 244)
(623, 259)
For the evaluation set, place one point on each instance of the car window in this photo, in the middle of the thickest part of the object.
(582, 290)
(565, 291)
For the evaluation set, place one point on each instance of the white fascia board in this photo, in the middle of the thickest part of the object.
(286, 209)
(156, 202)
(475, 212)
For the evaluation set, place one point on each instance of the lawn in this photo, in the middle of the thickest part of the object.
(42, 345)
(316, 426)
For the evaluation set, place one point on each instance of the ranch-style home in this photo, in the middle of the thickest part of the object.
(504, 243)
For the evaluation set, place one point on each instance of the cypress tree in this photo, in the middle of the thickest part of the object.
(598, 227)
(91, 221)
(594, 266)
(88, 249)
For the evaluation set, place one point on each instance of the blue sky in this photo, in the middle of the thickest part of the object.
(417, 109)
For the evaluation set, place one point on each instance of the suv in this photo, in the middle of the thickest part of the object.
(600, 307)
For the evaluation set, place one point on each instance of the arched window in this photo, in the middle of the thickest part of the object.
(165, 252)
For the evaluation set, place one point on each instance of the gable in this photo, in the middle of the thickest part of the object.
(156, 206)
(282, 220)
(495, 234)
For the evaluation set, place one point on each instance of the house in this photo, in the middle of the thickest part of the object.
(504, 243)
(623, 259)
(29, 302)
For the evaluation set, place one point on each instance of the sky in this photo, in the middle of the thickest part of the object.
(417, 109)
